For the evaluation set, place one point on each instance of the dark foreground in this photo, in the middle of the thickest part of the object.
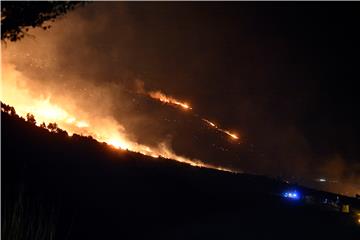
(60, 187)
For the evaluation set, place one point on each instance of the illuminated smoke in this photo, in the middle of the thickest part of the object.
(76, 52)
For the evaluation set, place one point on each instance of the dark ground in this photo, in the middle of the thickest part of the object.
(86, 190)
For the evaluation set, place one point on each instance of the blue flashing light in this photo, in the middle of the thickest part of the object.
(292, 195)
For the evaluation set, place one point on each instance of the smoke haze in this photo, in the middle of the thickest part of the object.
(231, 63)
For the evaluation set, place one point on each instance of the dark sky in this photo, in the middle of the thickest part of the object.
(282, 74)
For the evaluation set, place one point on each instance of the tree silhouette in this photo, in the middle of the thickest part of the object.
(17, 17)
(53, 127)
(8, 109)
(43, 125)
(61, 132)
(30, 118)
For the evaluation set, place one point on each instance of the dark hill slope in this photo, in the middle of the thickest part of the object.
(86, 190)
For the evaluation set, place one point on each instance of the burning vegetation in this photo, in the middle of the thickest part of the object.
(169, 100)
(72, 126)
(183, 105)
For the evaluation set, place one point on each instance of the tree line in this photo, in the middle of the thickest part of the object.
(30, 118)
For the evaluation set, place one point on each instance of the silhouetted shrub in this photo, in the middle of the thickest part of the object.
(43, 125)
(8, 109)
(30, 118)
(53, 127)
(61, 132)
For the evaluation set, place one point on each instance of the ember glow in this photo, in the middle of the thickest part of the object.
(210, 123)
(213, 125)
(233, 135)
(169, 100)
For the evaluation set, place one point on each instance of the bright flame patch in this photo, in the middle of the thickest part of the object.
(169, 100)
(213, 125)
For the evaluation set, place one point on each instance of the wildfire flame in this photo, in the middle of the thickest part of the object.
(47, 112)
(172, 101)
(102, 128)
(169, 100)
(213, 125)
(233, 135)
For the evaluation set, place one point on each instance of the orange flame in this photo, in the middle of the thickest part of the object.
(169, 100)
(232, 135)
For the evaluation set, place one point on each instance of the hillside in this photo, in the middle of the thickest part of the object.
(77, 188)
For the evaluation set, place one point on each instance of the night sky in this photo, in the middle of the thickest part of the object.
(283, 75)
